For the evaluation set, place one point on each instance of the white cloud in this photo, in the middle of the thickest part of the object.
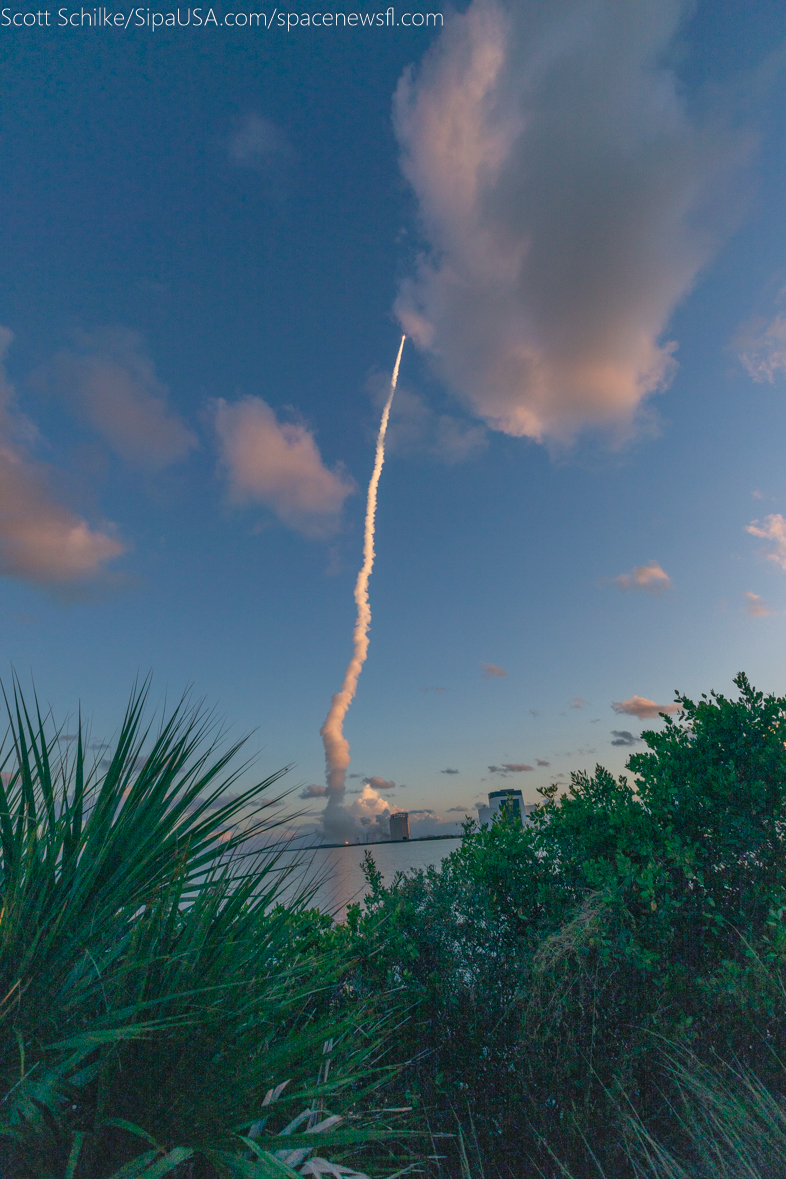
(643, 708)
(762, 349)
(564, 193)
(369, 809)
(41, 540)
(278, 464)
(647, 577)
(755, 606)
(109, 379)
(773, 529)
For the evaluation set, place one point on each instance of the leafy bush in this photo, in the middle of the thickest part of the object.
(547, 967)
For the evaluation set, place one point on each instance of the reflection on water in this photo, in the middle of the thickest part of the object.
(336, 877)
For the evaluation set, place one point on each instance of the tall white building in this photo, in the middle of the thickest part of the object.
(509, 801)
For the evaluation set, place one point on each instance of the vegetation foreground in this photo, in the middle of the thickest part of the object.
(600, 993)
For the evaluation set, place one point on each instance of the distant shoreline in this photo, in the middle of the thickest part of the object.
(379, 842)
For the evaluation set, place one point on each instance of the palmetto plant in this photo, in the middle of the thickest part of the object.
(153, 993)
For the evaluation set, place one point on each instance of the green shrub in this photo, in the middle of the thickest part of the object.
(546, 966)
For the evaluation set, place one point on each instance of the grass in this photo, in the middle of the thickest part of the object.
(727, 1123)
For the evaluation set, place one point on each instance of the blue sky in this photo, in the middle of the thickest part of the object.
(211, 239)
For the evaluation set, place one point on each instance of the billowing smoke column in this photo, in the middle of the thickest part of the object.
(335, 820)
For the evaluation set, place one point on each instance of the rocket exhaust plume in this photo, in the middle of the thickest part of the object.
(333, 739)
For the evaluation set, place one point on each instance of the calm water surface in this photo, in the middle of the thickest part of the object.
(336, 872)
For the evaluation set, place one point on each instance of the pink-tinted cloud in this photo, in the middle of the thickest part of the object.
(578, 702)
(773, 529)
(41, 540)
(755, 606)
(643, 708)
(565, 192)
(644, 577)
(492, 672)
(279, 465)
(111, 382)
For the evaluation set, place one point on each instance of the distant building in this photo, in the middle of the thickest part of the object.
(399, 825)
(505, 802)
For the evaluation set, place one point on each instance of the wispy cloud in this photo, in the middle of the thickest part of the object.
(461, 810)
(259, 143)
(279, 465)
(509, 768)
(578, 702)
(539, 762)
(448, 771)
(761, 347)
(643, 708)
(567, 194)
(623, 737)
(755, 606)
(773, 529)
(41, 540)
(110, 381)
(644, 577)
(492, 672)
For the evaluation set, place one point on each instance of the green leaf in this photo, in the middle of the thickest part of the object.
(152, 1164)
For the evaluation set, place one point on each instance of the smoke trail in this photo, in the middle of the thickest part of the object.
(336, 744)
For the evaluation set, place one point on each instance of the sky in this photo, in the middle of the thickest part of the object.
(213, 236)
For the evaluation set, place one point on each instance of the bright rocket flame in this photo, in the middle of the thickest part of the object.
(336, 744)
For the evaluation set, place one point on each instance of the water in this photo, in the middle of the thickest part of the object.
(338, 875)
